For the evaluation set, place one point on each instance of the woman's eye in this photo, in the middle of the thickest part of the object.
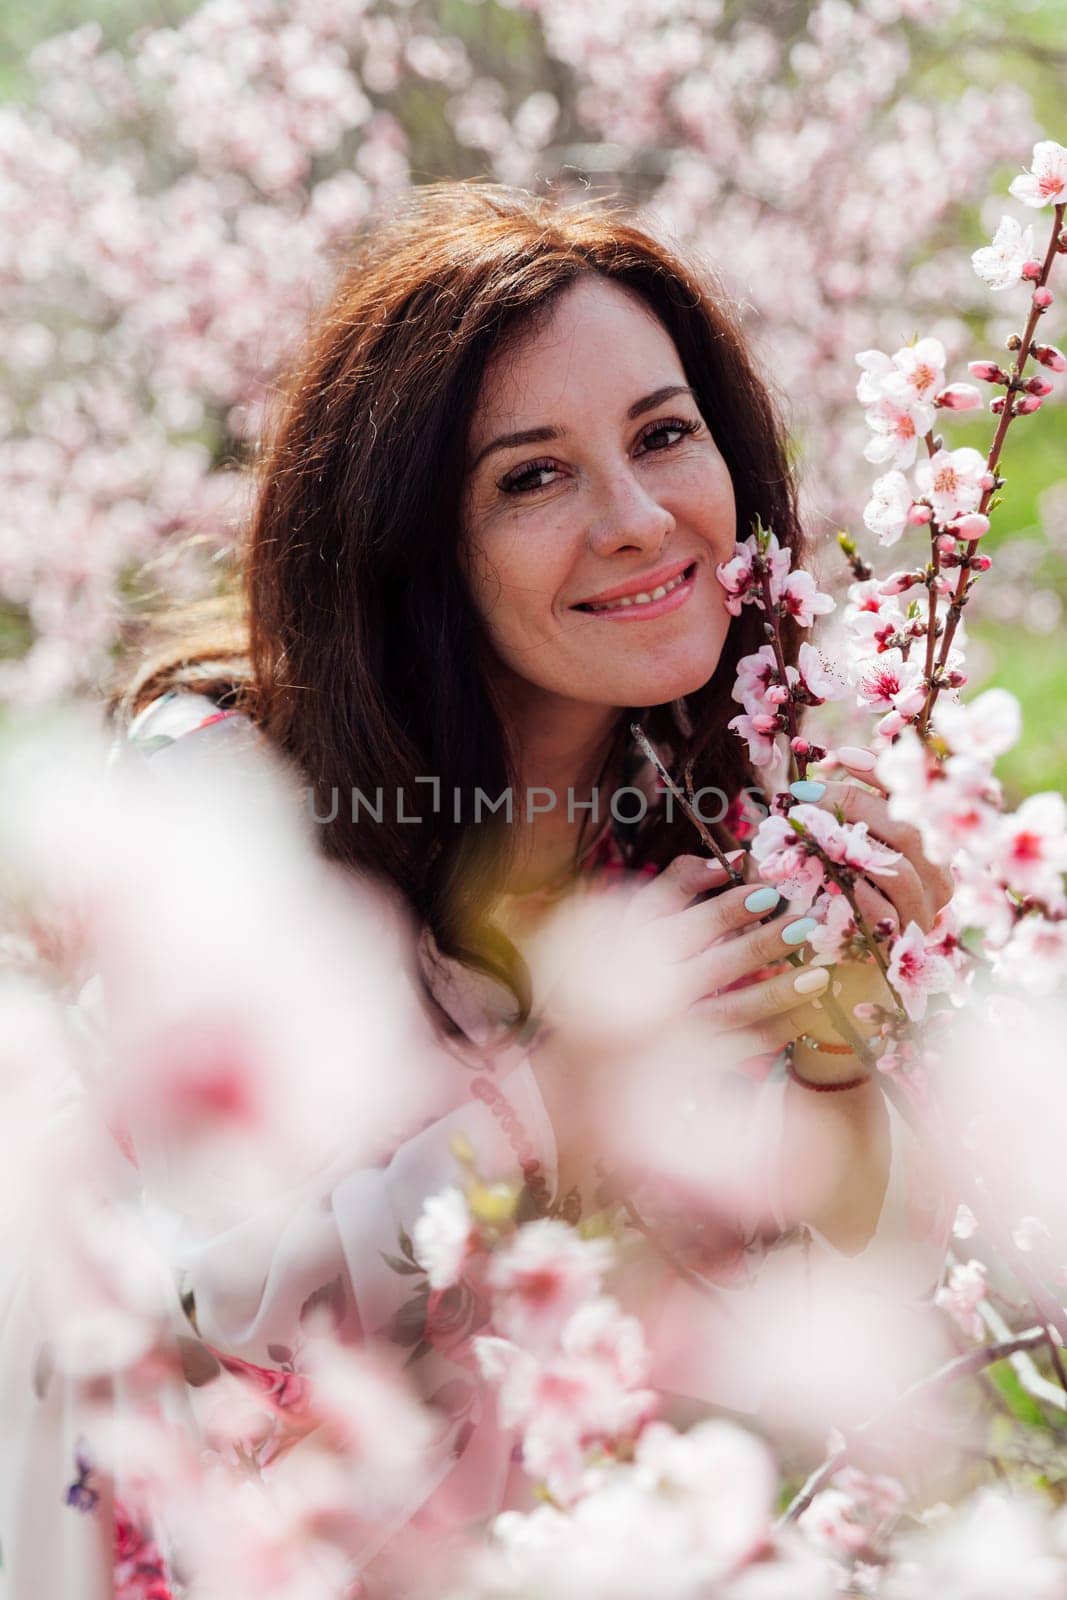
(517, 482)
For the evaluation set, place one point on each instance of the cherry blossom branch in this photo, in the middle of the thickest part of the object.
(965, 1366)
(694, 816)
(1040, 301)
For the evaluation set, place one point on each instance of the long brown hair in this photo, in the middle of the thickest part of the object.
(352, 639)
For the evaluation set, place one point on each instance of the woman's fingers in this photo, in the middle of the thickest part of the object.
(678, 884)
(768, 943)
(859, 763)
(736, 910)
(875, 906)
(759, 1003)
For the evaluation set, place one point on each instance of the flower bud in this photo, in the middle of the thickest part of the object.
(1061, 242)
(919, 515)
(956, 679)
(776, 695)
(1039, 386)
(997, 405)
(972, 526)
(959, 397)
(1028, 405)
(987, 371)
(1049, 356)
(943, 586)
(980, 563)
(764, 723)
(898, 582)
(988, 481)
(1013, 342)
(946, 544)
(1031, 270)
(1042, 298)
(800, 747)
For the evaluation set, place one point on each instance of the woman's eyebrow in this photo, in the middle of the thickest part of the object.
(540, 435)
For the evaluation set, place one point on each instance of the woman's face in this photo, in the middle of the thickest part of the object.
(616, 490)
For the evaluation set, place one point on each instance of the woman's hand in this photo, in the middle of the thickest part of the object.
(728, 956)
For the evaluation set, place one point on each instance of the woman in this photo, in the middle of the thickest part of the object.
(518, 444)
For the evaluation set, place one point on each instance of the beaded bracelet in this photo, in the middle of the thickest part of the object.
(820, 1088)
(824, 1047)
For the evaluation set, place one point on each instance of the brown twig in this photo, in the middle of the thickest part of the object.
(965, 1366)
(690, 811)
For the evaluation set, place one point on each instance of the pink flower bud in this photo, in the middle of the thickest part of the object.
(997, 405)
(776, 695)
(1039, 386)
(897, 582)
(972, 526)
(956, 680)
(959, 397)
(800, 747)
(1028, 405)
(988, 481)
(943, 586)
(764, 723)
(919, 515)
(946, 544)
(987, 371)
(981, 563)
(1042, 298)
(1049, 356)
(1031, 271)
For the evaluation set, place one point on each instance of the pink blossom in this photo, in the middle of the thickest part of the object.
(961, 1295)
(817, 674)
(582, 1391)
(1046, 182)
(784, 861)
(952, 481)
(755, 674)
(1029, 849)
(919, 372)
(541, 1278)
(886, 512)
(836, 927)
(1000, 264)
(761, 742)
(891, 683)
(802, 600)
(917, 970)
(897, 428)
(847, 844)
(984, 728)
(442, 1237)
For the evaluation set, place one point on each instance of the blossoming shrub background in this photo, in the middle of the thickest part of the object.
(173, 198)
(176, 181)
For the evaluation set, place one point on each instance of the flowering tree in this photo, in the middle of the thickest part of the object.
(172, 211)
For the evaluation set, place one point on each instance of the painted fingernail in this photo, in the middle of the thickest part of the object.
(813, 981)
(798, 931)
(762, 899)
(713, 864)
(853, 756)
(809, 789)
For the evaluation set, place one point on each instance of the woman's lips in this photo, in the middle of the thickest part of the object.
(646, 610)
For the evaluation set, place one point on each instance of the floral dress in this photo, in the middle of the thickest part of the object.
(344, 1239)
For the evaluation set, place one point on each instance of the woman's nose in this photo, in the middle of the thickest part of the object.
(629, 518)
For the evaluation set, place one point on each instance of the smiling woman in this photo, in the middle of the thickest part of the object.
(422, 589)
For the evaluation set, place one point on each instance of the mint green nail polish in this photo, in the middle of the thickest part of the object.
(807, 789)
(797, 932)
(762, 899)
